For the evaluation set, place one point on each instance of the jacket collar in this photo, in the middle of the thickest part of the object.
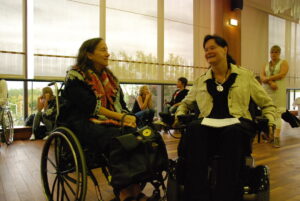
(234, 69)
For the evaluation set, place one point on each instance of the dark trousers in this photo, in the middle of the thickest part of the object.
(201, 144)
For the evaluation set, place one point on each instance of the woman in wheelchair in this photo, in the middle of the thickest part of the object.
(224, 128)
(93, 104)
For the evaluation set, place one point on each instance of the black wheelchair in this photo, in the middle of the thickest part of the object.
(255, 181)
(7, 125)
(66, 165)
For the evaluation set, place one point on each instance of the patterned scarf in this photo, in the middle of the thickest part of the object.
(105, 88)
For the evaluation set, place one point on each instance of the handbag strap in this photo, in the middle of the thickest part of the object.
(122, 123)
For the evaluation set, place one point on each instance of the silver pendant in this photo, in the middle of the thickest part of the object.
(220, 88)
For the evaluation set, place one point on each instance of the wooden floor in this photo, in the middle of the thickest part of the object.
(20, 177)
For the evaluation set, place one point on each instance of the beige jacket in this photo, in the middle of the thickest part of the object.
(245, 86)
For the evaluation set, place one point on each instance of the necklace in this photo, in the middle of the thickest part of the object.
(220, 87)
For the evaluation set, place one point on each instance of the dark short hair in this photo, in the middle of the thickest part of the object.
(221, 42)
(183, 80)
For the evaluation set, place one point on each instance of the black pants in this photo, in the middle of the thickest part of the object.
(201, 144)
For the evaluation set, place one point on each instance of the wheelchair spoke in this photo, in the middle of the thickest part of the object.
(73, 180)
(53, 186)
(58, 188)
(52, 163)
(70, 187)
(68, 171)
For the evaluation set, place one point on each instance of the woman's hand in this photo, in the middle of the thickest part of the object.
(40, 103)
(273, 85)
(176, 123)
(264, 80)
(130, 120)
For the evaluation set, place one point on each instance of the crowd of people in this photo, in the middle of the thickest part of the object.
(95, 109)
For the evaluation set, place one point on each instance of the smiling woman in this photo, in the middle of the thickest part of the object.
(222, 93)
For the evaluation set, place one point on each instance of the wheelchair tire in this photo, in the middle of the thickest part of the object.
(174, 190)
(7, 127)
(63, 167)
(263, 196)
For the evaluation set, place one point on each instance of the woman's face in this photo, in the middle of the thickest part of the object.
(275, 55)
(179, 84)
(100, 55)
(145, 91)
(214, 53)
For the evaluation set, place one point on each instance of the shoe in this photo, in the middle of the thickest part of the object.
(46, 137)
(32, 137)
(276, 142)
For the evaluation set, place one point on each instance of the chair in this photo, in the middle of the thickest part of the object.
(7, 125)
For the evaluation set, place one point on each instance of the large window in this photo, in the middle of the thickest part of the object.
(277, 33)
(60, 31)
(15, 101)
(11, 38)
(144, 47)
(132, 36)
(178, 38)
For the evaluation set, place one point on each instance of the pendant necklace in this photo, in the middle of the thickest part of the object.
(219, 87)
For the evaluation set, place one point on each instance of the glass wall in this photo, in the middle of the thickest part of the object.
(11, 38)
(59, 31)
(59, 27)
(15, 101)
(178, 38)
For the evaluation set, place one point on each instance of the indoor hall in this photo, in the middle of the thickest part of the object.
(152, 43)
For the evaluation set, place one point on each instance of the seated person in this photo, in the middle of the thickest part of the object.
(3, 93)
(178, 96)
(224, 91)
(94, 104)
(142, 107)
(46, 114)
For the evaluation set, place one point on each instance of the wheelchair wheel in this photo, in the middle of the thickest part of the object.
(63, 167)
(7, 127)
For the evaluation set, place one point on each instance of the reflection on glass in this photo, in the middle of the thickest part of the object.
(61, 31)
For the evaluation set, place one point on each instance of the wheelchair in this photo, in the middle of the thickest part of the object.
(7, 125)
(66, 165)
(255, 184)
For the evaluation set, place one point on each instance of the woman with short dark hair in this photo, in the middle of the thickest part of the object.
(225, 128)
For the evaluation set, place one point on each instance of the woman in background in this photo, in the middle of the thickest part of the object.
(273, 78)
(143, 106)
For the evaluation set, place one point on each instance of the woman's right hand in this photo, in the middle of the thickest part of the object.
(273, 85)
(176, 123)
(130, 120)
(40, 103)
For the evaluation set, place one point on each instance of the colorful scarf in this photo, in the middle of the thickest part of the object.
(105, 88)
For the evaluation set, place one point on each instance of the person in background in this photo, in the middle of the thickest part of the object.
(273, 78)
(178, 96)
(223, 93)
(143, 106)
(46, 113)
(94, 107)
(3, 93)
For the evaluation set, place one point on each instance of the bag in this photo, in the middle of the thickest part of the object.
(291, 119)
(137, 157)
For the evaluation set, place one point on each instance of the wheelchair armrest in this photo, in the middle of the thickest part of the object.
(167, 118)
(185, 119)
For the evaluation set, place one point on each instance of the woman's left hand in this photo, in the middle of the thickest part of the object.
(130, 120)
